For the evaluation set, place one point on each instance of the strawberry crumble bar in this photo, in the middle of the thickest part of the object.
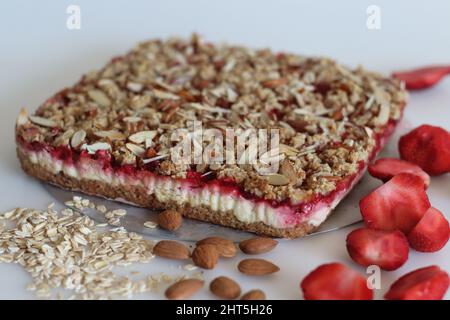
(108, 135)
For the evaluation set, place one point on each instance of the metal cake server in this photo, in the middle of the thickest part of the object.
(346, 214)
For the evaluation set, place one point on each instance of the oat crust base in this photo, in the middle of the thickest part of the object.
(139, 196)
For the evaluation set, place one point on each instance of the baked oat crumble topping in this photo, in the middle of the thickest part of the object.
(327, 114)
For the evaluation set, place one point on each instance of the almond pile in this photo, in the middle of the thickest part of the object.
(207, 254)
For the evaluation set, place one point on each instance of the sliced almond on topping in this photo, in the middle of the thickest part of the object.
(78, 138)
(140, 137)
(100, 97)
(257, 267)
(93, 148)
(232, 95)
(257, 245)
(110, 134)
(381, 96)
(277, 179)
(288, 150)
(106, 82)
(184, 289)
(171, 250)
(63, 139)
(22, 118)
(145, 161)
(207, 108)
(368, 131)
(369, 102)
(132, 119)
(288, 170)
(164, 95)
(134, 86)
(43, 122)
(135, 149)
(148, 143)
(383, 115)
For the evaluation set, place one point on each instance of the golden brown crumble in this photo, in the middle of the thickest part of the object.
(327, 114)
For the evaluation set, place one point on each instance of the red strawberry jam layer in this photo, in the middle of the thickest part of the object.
(292, 213)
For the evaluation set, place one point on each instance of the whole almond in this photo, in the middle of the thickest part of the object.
(170, 220)
(257, 245)
(225, 288)
(255, 294)
(257, 267)
(171, 250)
(205, 256)
(183, 289)
(225, 247)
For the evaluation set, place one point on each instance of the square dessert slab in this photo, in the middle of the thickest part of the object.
(109, 134)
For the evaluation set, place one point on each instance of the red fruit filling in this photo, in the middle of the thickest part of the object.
(195, 180)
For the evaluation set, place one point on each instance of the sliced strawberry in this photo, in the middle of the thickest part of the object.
(431, 233)
(387, 249)
(429, 283)
(399, 204)
(334, 281)
(428, 147)
(386, 168)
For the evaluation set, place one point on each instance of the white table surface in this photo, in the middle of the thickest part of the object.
(39, 55)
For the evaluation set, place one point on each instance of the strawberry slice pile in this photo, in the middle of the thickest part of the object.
(335, 281)
(429, 283)
(397, 215)
(401, 204)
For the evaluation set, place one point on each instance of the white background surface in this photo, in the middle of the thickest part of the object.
(38, 56)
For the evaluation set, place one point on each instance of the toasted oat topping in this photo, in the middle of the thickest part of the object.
(328, 115)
